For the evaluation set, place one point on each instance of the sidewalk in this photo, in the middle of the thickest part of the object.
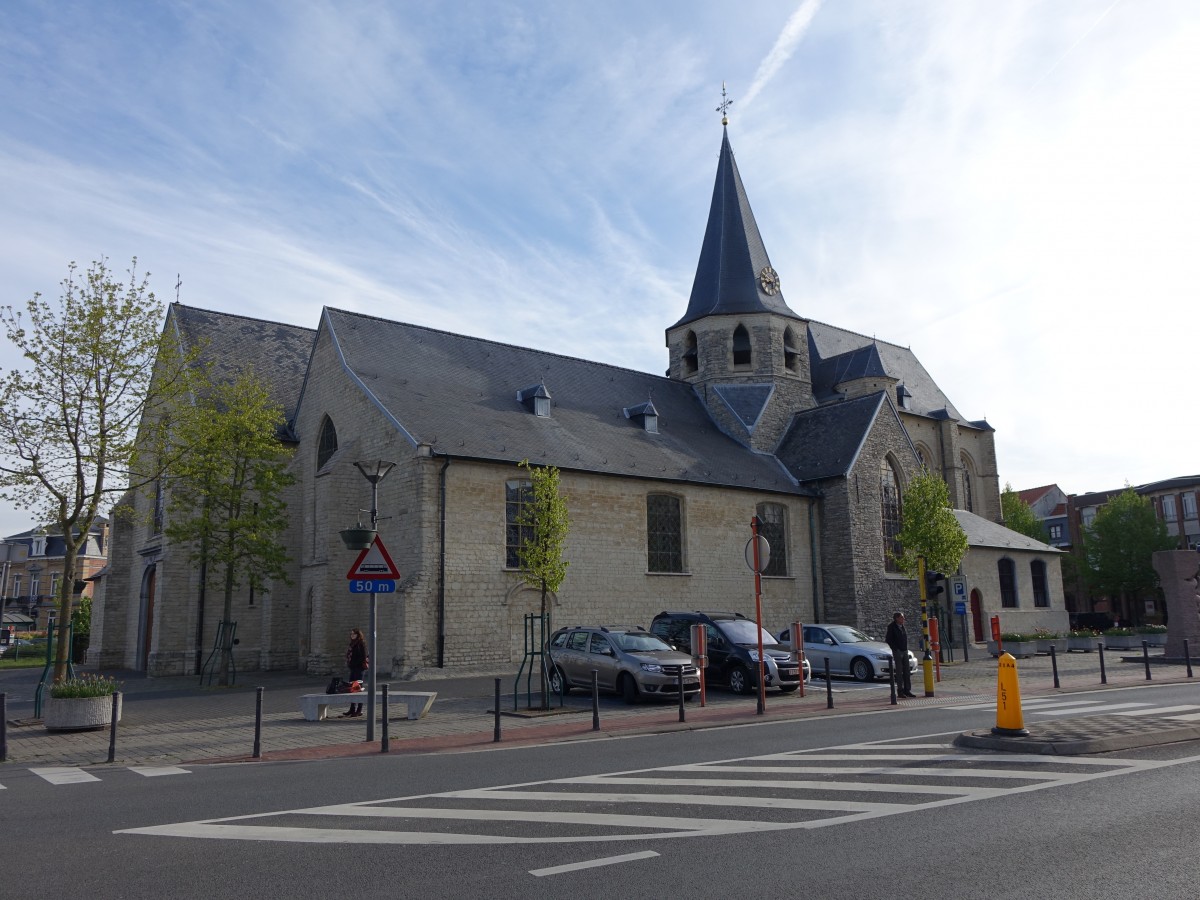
(172, 721)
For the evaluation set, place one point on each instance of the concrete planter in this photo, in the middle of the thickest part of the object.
(1018, 649)
(1082, 644)
(79, 713)
(1154, 640)
(1059, 645)
(1121, 641)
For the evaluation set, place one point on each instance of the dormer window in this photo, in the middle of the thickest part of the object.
(644, 413)
(537, 399)
(903, 395)
(39, 543)
(741, 347)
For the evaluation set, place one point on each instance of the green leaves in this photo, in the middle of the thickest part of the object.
(227, 481)
(1020, 517)
(928, 527)
(1118, 546)
(545, 512)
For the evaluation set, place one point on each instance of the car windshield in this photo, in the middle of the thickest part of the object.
(743, 631)
(641, 642)
(847, 635)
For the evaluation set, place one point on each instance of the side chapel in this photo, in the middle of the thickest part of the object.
(762, 411)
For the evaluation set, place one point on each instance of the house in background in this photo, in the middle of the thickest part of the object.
(31, 569)
(1174, 504)
(1049, 503)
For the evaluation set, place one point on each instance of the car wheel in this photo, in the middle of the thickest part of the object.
(788, 688)
(558, 682)
(861, 669)
(739, 680)
(628, 689)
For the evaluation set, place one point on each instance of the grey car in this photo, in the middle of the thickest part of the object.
(850, 652)
(631, 662)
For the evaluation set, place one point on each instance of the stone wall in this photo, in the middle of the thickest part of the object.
(1179, 574)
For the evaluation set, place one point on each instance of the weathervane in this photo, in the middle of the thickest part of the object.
(723, 109)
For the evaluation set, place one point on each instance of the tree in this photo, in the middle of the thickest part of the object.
(544, 524)
(1118, 545)
(1020, 517)
(928, 527)
(96, 366)
(226, 491)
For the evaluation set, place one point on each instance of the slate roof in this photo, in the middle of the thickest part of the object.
(836, 355)
(983, 532)
(278, 353)
(732, 255)
(825, 441)
(459, 395)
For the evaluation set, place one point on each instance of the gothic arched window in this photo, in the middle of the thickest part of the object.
(890, 509)
(741, 347)
(327, 443)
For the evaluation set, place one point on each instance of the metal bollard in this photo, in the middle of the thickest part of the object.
(258, 695)
(112, 728)
(828, 686)
(1146, 657)
(385, 744)
(1187, 655)
(595, 700)
(1054, 665)
(1100, 650)
(496, 710)
(682, 712)
(4, 727)
(892, 679)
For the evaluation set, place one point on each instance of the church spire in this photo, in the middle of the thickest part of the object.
(734, 275)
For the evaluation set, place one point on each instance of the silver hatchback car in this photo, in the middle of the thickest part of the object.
(631, 662)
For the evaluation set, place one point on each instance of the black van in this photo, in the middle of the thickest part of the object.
(732, 649)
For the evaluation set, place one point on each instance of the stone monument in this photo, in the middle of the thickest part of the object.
(1179, 574)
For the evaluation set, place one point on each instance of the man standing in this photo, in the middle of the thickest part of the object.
(897, 639)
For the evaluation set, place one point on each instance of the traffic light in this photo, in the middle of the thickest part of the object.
(933, 584)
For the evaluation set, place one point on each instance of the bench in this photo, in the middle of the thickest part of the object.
(417, 703)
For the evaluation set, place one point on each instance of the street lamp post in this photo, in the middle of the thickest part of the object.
(374, 472)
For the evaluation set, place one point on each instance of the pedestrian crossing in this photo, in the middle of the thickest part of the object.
(1056, 707)
(792, 790)
(79, 775)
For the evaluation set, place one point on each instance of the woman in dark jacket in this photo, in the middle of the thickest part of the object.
(357, 663)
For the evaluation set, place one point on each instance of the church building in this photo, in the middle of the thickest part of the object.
(813, 428)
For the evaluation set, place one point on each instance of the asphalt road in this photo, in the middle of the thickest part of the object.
(773, 809)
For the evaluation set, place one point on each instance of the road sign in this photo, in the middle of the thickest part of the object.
(373, 563)
(960, 589)
(764, 553)
(372, 586)
(960, 607)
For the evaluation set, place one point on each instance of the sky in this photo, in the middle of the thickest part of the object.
(1010, 189)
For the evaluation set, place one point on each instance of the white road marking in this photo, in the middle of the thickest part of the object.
(1161, 710)
(1026, 704)
(592, 863)
(64, 775)
(154, 771)
(1190, 717)
(1039, 773)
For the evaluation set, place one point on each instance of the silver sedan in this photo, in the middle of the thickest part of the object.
(850, 652)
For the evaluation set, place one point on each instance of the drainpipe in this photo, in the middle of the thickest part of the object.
(441, 604)
(812, 555)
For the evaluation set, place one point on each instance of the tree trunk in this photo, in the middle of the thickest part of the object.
(542, 629)
(66, 590)
(226, 662)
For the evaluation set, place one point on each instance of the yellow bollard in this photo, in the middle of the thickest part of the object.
(1009, 720)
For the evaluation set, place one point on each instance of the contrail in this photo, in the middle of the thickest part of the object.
(784, 47)
(1078, 41)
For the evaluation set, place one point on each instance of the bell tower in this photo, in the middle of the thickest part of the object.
(739, 343)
